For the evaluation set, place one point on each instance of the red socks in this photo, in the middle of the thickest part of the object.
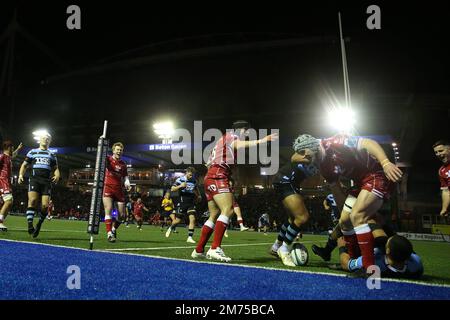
(205, 234)
(351, 242)
(108, 223)
(221, 226)
(366, 244)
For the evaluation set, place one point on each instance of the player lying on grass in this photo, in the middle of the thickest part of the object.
(396, 260)
(363, 161)
(374, 225)
(286, 184)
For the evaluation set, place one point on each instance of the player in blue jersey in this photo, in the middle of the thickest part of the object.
(44, 172)
(189, 194)
(396, 260)
(286, 184)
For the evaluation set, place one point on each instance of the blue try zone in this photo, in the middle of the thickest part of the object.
(33, 271)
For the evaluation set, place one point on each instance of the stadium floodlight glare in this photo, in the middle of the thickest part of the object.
(342, 119)
(38, 134)
(164, 130)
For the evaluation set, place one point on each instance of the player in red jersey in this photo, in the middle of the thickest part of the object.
(116, 179)
(364, 162)
(218, 190)
(442, 151)
(5, 180)
(138, 214)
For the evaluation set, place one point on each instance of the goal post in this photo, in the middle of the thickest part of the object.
(97, 188)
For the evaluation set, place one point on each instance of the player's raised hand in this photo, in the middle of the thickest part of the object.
(392, 172)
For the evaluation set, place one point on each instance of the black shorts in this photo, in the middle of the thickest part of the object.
(42, 186)
(284, 190)
(186, 208)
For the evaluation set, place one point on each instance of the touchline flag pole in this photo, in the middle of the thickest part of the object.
(97, 189)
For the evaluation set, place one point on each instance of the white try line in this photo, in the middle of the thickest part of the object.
(191, 247)
(226, 264)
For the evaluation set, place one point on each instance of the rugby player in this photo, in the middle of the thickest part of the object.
(42, 163)
(167, 204)
(189, 193)
(5, 180)
(138, 214)
(129, 211)
(218, 191)
(50, 210)
(115, 181)
(263, 223)
(286, 184)
(237, 209)
(396, 260)
(442, 151)
(363, 161)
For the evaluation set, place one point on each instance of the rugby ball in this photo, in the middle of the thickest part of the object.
(299, 254)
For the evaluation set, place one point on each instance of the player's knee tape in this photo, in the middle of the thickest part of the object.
(8, 197)
(349, 203)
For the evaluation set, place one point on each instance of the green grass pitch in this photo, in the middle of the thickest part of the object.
(245, 248)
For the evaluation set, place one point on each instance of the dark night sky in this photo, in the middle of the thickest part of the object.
(398, 75)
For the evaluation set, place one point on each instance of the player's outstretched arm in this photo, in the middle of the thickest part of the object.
(16, 152)
(445, 202)
(239, 144)
(391, 171)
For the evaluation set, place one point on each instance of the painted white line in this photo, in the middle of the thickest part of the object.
(227, 264)
(49, 230)
(192, 247)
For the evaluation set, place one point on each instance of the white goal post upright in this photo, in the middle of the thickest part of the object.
(97, 189)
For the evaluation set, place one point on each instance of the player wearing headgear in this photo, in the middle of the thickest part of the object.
(363, 161)
(442, 151)
(42, 163)
(138, 214)
(116, 178)
(396, 259)
(189, 194)
(286, 184)
(5, 180)
(217, 188)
